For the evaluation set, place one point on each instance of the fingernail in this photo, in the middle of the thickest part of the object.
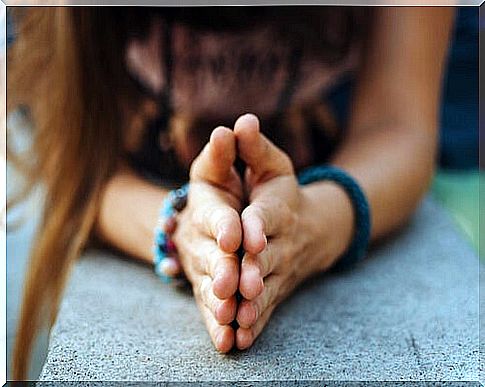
(265, 240)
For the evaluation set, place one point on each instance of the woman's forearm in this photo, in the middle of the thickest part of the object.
(393, 129)
(391, 141)
(129, 213)
(393, 167)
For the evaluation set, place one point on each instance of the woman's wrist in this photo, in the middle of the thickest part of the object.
(128, 214)
(328, 219)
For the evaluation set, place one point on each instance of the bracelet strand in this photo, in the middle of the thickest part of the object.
(358, 247)
(163, 246)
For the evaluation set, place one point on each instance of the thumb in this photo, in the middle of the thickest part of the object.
(264, 159)
(215, 163)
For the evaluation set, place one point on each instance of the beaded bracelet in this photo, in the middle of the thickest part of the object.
(174, 202)
(360, 242)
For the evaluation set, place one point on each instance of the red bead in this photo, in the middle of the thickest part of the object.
(171, 246)
(170, 225)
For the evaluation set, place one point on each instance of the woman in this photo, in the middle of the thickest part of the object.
(123, 99)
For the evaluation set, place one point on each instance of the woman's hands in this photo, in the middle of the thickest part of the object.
(280, 231)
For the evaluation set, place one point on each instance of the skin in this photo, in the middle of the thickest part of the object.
(288, 232)
(209, 233)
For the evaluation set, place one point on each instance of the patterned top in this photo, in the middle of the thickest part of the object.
(203, 78)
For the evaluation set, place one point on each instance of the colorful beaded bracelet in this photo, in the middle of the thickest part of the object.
(163, 247)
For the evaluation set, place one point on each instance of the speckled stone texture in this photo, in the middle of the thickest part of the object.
(277, 383)
(408, 312)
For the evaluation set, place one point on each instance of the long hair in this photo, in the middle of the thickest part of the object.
(66, 69)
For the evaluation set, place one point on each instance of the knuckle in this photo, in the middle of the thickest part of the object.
(267, 301)
(285, 162)
(180, 237)
(217, 216)
(292, 218)
(288, 217)
(196, 288)
(231, 259)
(258, 307)
(204, 290)
(266, 263)
(232, 213)
(291, 282)
(270, 302)
(183, 222)
(273, 212)
(212, 258)
(282, 163)
(274, 296)
(285, 256)
(194, 168)
(284, 209)
(201, 215)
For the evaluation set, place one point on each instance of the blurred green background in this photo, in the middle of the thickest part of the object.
(459, 191)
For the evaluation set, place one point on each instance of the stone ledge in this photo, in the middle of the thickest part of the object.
(409, 312)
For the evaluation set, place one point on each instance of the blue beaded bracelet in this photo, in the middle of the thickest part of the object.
(162, 248)
(360, 242)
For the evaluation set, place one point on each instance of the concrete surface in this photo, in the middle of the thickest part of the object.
(409, 312)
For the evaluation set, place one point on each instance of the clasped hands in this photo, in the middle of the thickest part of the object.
(274, 230)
